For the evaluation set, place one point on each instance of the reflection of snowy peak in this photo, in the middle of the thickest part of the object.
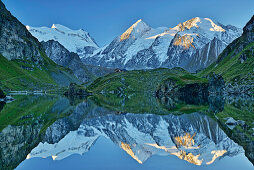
(144, 47)
(195, 138)
(77, 41)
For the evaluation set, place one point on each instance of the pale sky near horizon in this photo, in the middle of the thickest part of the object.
(106, 19)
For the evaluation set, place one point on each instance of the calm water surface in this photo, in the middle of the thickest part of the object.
(53, 132)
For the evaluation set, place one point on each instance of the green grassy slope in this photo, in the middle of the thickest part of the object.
(23, 62)
(231, 68)
(13, 77)
(141, 80)
(134, 91)
(236, 62)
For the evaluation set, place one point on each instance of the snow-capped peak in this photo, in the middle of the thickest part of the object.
(78, 41)
(28, 27)
(215, 27)
(135, 31)
(143, 47)
(53, 26)
(201, 23)
(187, 24)
(64, 28)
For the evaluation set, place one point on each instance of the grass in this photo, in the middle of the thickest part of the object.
(13, 77)
(237, 113)
(231, 68)
(134, 91)
(141, 81)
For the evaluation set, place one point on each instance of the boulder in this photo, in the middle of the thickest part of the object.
(231, 121)
(216, 84)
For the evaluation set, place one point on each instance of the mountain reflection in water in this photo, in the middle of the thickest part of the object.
(194, 137)
(63, 128)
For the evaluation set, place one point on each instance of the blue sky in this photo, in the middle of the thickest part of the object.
(106, 19)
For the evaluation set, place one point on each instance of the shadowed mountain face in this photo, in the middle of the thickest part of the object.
(23, 62)
(236, 63)
(60, 55)
(15, 41)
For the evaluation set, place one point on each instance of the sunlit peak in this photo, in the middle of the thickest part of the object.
(138, 28)
(28, 27)
(53, 26)
(138, 21)
(187, 24)
(214, 26)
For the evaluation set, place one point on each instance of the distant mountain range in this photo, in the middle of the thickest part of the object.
(192, 45)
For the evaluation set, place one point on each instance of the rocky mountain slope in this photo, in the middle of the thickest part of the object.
(60, 55)
(13, 35)
(23, 63)
(77, 41)
(236, 62)
(193, 45)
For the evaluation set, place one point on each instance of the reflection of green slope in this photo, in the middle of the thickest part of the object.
(237, 114)
(134, 103)
(134, 91)
(140, 103)
(239, 109)
(23, 124)
(187, 108)
(26, 110)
